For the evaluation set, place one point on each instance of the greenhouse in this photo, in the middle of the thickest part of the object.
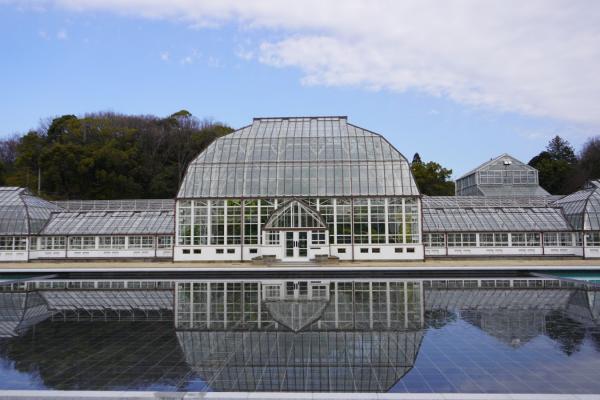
(107, 229)
(503, 176)
(21, 216)
(309, 189)
(582, 210)
(480, 226)
(332, 188)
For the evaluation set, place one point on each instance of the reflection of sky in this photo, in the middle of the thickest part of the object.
(460, 357)
(11, 378)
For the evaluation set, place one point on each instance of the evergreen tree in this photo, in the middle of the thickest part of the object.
(557, 167)
(417, 159)
(561, 149)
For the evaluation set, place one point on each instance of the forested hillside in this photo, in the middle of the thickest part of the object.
(106, 155)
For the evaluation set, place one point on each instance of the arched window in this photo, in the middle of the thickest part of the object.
(295, 214)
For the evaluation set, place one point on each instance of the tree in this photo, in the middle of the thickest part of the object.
(108, 155)
(432, 179)
(561, 149)
(416, 159)
(557, 167)
(589, 159)
(2, 174)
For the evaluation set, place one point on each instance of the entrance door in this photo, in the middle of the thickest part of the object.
(295, 245)
(296, 289)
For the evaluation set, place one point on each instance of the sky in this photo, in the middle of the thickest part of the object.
(460, 82)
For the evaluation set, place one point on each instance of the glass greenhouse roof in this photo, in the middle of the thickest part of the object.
(497, 219)
(486, 202)
(490, 163)
(513, 190)
(111, 223)
(117, 205)
(305, 156)
(582, 208)
(21, 213)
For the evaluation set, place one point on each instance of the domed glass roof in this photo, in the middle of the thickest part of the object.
(305, 156)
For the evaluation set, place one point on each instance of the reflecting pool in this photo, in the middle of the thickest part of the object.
(526, 335)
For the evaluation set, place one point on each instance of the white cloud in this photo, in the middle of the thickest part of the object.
(536, 57)
(244, 54)
(62, 34)
(164, 56)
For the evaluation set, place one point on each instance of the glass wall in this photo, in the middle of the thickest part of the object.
(13, 243)
(103, 242)
(593, 239)
(507, 239)
(370, 221)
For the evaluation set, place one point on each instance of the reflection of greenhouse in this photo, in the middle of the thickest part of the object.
(351, 335)
(516, 315)
(349, 305)
(364, 361)
(20, 311)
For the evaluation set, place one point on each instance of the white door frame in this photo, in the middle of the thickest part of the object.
(295, 245)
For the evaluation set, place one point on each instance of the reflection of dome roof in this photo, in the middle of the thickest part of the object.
(19, 311)
(371, 361)
(584, 307)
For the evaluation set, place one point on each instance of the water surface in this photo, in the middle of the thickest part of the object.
(433, 335)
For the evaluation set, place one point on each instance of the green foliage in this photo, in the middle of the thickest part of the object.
(553, 174)
(589, 159)
(416, 159)
(2, 174)
(560, 149)
(432, 179)
(557, 167)
(107, 156)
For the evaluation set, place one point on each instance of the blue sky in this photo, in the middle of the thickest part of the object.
(450, 100)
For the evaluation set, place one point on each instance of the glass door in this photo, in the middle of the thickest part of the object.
(302, 244)
(290, 244)
(296, 289)
(295, 245)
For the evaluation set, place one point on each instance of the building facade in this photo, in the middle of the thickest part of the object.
(306, 189)
(298, 189)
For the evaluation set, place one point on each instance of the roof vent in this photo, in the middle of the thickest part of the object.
(507, 161)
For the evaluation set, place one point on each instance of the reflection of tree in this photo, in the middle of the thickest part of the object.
(99, 355)
(437, 319)
(568, 333)
(595, 336)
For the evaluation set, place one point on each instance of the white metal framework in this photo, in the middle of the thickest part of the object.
(299, 189)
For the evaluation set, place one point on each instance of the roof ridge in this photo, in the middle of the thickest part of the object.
(302, 117)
